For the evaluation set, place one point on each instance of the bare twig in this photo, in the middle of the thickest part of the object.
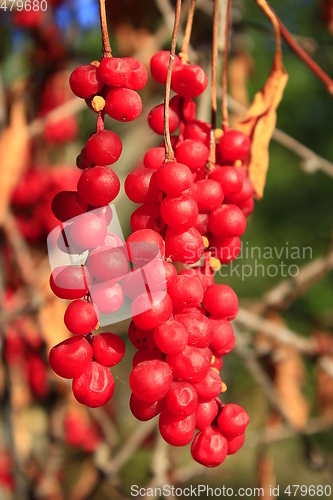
(212, 150)
(159, 466)
(225, 118)
(106, 47)
(183, 54)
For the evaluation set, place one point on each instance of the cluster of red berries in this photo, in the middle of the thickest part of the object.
(108, 87)
(190, 212)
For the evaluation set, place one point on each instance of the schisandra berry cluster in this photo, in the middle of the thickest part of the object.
(108, 87)
(191, 212)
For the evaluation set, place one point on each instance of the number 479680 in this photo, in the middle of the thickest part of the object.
(311, 491)
(27, 5)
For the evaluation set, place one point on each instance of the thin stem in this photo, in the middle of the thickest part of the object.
(225, 118)
(212, 152)
(106, 47)
(183, 54)
(169, 154)
(304, 56)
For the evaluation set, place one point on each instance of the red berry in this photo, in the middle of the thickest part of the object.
(154, 158)
(104, 148)
(151, 380)
(145, 411)
(199, 131)
(176, 430)
(146, 354)
(147, 217)
(70, 282)
(227, 221)
(82, 161)
(138, 74)
(230, 178)
(71, 357)
(98, 186)
(171, 337)
(221, 301)
(149, 311)
(156, 120)
(173, 178)
(123, 72)
(192, 153)
(94, 387)
(81, 317)
(108, 349)
(180, 213)
(234, 145)
(88, 231)
(225, 249)
(106, 263)
(85, 82)
(143, 246)
(189, 80)
(209, 447)
(123, 104)
(191, 364)
(223, 340)
(247, 206)
(141, 186)
(139, 338)
(186, 292)
(67, 205)
(159, 64)
(235, 444)
(186, 247)
(182, 398)
(233, 420)
(210, 195)
(210, 387)
(202, 224)
(205, 414)
(205, 276)
(198, 327)
(108, 297)
(244, 194)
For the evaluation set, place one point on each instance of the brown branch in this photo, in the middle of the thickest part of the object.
(225, 118)
(183, 54)
(169, 154)
(106, 47)
(303, 55)
(212, 150)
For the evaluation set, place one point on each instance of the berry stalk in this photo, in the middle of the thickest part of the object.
(183, 54)
(225, 117)
(106, 47)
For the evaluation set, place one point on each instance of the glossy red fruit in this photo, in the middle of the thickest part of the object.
(198, 327)
(233, 420)
(124, 105)
(150, 311)
(85, 82)
(209, 447)
(81, 317)
(205, 276)
(189, 80)
(176, 430)
(141, 186)
(210, 387)
(82, 161)
(186, 291)
(106, 263)
(108, 349)
(71, 357)
(210, 195)
(244, 194)
(159, 64)
(151, 380)
(234, 145)
(191, 364)
(156, 120)
(108, 297)
(123, 72)
(186, 247)
(98, 186)
(143, 246)
(227, 221)
(138, 75)
(221, 301)
(171, 337)
(205, 414)
(173, 178)
(104, 148)
(247, 206)
(139, 338)
(154, 158)
(149, 279)
(88, 231)
(235, 444)
(230, 179)
(67, 205)
(145, 411)
(182, 398)
(146, 354)
(202, 224)
(192, 153)
(225, 249)
(223, 340)
(70, 282)
(94, 387)
(199, 131)
(147, 217)
(180, 212)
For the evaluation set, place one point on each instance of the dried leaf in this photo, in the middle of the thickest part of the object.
(259, 121)
(14, 152)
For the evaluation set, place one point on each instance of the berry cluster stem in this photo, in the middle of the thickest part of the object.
(225, 117)
(212, 151)
(106, 47)
(183, 54)
(169, 154)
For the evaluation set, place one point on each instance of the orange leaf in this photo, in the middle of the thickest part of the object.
(259, 121)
